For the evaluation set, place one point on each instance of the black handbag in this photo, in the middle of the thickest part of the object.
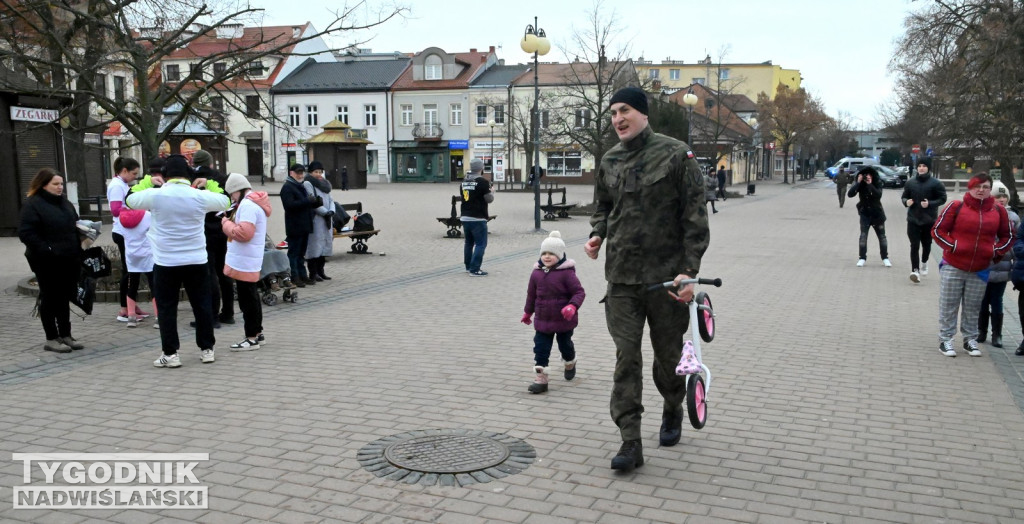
(95, 263)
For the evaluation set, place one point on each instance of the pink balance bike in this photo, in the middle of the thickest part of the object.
(698, 376)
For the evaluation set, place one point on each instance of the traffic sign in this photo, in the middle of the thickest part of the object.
(916, 148)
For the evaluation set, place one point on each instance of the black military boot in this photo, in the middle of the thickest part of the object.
(631, 455)
(997, 330)
(671, 428)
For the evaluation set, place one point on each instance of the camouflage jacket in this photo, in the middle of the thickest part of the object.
(651, 210)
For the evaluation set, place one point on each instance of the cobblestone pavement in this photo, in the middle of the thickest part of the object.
(830, 401)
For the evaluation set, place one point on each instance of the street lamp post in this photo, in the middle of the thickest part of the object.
(492, 123)
(690, 100)
(535, 41)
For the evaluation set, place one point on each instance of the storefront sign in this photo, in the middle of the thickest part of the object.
(458, 144)
(32, 114)
(486, 144)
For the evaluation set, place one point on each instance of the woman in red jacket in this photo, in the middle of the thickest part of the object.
(972, 233)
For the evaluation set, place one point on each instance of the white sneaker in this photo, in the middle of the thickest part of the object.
(915, 277)
(133, 322)
(924, 268)
(946, 348)
(886, 263)
(168, 361)
(206, 356)
(860, 263)
(245, 345)
(971, 348)
(122, 318)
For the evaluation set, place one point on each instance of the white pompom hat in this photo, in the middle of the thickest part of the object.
(553, 244)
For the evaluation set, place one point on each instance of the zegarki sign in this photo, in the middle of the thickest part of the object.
(32, 114)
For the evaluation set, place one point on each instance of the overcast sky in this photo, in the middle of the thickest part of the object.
(841, 47)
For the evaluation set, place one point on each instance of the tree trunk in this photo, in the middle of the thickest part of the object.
(785, 164)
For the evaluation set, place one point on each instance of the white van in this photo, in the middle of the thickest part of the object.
(850, 165)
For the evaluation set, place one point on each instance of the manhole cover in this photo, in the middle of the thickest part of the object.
(446, 457)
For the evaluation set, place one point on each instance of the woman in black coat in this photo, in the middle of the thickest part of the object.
(54, 253)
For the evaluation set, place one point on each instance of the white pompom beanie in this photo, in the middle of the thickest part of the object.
(553, 244)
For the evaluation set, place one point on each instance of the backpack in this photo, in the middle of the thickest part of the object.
(363, 222)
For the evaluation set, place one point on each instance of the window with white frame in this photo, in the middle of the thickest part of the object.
(119, 88)
(698, 80)
(582, 118)
(432, 68)
(499, 114)
(370, 110)
(430, 114)
(312, 117)
(293, 116)
(343, 114)
(653, 74)
(455, 110)
(481, 115)
(219, 68)
(545, 119)
(565, 163)
(723, 74)
(197, 70)
(406, 110)
(673, 74)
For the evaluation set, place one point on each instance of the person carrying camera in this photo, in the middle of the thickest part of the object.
(869, 186)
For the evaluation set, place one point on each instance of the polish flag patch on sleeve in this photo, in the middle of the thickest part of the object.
(689, 154)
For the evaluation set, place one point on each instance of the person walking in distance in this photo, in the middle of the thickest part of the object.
(923, 196)
(126, 170)
(842, 180)
(710, 193)
(298, 222)
(476, 194)
(721, 182)
(179, 253)
(998, 275)
(554, 294)
(645, 179)
(869, 186)
(972, 233)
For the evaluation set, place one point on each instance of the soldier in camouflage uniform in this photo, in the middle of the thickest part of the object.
(842, 179)
(651, 213)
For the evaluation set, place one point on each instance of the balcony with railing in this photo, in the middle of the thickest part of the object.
(427, 131)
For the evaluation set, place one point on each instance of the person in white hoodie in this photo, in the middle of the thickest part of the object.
(246, 229)
(179, 208)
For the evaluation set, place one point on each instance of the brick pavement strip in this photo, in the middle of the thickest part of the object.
(830, 402)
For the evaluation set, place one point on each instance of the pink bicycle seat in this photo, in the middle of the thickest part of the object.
(688, 363)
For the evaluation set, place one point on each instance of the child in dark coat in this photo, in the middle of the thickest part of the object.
(554, 294)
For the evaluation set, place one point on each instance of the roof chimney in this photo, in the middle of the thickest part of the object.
(296, 31)
(492, 49)
(472, 50)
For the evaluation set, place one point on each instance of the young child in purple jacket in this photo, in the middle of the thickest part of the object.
(554, 294)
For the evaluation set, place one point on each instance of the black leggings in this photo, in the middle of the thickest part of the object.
(126, 278)
(58, 282)
(252, 308)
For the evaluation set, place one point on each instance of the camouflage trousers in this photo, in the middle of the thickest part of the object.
(627, 308)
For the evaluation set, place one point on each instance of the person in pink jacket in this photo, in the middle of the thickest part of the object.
(246, 228)
(553, 295)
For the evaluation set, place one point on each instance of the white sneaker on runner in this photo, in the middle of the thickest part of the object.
(206, 356)
(168, 361)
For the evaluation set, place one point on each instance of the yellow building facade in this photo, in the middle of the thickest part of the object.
(744, 79)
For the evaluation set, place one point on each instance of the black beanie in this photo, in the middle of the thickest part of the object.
(633, 96)
(176, 166)
(926, 160)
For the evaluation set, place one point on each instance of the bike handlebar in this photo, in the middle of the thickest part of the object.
(717, 282)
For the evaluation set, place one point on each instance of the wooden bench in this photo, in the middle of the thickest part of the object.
(359, 238)
(453, 222)
(91, 208)
(552, 209)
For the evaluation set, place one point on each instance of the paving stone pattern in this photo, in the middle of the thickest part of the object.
(831, 402)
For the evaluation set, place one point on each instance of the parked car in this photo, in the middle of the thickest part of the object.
(890, 178)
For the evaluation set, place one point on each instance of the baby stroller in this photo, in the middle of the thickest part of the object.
(275, 275)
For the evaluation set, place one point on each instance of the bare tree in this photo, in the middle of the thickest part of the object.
(790, 118)
(64, 44)
(589, 82)
(962, 65)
